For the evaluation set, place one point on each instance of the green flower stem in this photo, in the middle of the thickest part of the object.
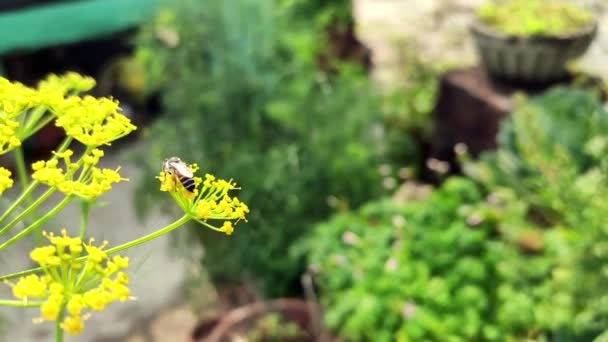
(27, 211)
(38, 222)
(58, 329)
(21, 171)
(85, 207)
(40, 125)
(113, 250)
(208, 225)
(18, 201)
(32, 120)
(64, 145)
(150, 236)
(20, 303)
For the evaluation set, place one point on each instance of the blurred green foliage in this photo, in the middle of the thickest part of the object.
(273, 327)
(321, 12)
(553, 154)
(516, 253)
(534, 17)
(451, 267)
(245, 98)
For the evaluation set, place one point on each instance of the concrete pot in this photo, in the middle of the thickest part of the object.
(535, 59)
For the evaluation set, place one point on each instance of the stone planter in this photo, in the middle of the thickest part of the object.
(535, 59)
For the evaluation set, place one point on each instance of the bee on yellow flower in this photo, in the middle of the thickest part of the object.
(202, 200)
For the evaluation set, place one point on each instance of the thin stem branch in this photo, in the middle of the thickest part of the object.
(150, 236)
(21, 171)
(20, 303)
(110, 251)
(18, 201)
(32, 119)
(64, 145)
(27, 211)
(41, 125)
(38, 222)
(85, 207)
(58, 329)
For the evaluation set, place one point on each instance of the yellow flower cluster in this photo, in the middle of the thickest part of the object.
(16, 98)
(59, 86)
(215, 203)
(72, 282)
(92, 121)
(8, 133)
(5, 180)
(91, 182)
(210, 201)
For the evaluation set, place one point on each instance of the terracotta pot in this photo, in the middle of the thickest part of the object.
(535, 59)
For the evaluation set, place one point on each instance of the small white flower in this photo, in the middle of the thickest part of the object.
(350, 238)
(391, 264)
(408, 310)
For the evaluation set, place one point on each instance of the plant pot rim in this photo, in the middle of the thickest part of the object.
(480, 28)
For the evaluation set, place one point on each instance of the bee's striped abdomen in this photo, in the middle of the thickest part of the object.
(188, 183)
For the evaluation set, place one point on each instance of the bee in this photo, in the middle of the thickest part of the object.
(178, 169)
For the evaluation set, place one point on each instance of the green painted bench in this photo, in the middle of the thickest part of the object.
(67, 22)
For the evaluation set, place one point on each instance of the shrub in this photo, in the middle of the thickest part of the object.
(451, 267)
(242, 92)
(552, 153)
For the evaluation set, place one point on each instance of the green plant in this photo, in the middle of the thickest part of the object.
(552, 153)
(322, 13)
(534, 17)
(245, 94)
(273, 327)
(75, 276)
(451, 267)
(408, 108)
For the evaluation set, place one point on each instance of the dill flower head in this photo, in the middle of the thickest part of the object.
(209, 201)
(19, 100)
(92, 121)
(63, 84)
(15, 98)
(78, 278)
(90, 183)
(8, 133)
(5, 180)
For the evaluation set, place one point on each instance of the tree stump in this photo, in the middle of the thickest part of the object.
(469, 109)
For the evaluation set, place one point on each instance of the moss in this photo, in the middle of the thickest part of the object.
(534, 17)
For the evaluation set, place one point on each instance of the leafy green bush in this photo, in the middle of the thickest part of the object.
(534, 17)
(243, 93)
(409, 106)
(553, 154)
(452, 267)
(322, 12)
(547, 144)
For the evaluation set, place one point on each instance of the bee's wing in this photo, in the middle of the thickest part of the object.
(182, 169)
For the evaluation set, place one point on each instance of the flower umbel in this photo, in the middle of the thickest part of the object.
(73, 281)
(92, 121)
(5, 180)
(8, 133)
(91, 181)
(210, 200)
